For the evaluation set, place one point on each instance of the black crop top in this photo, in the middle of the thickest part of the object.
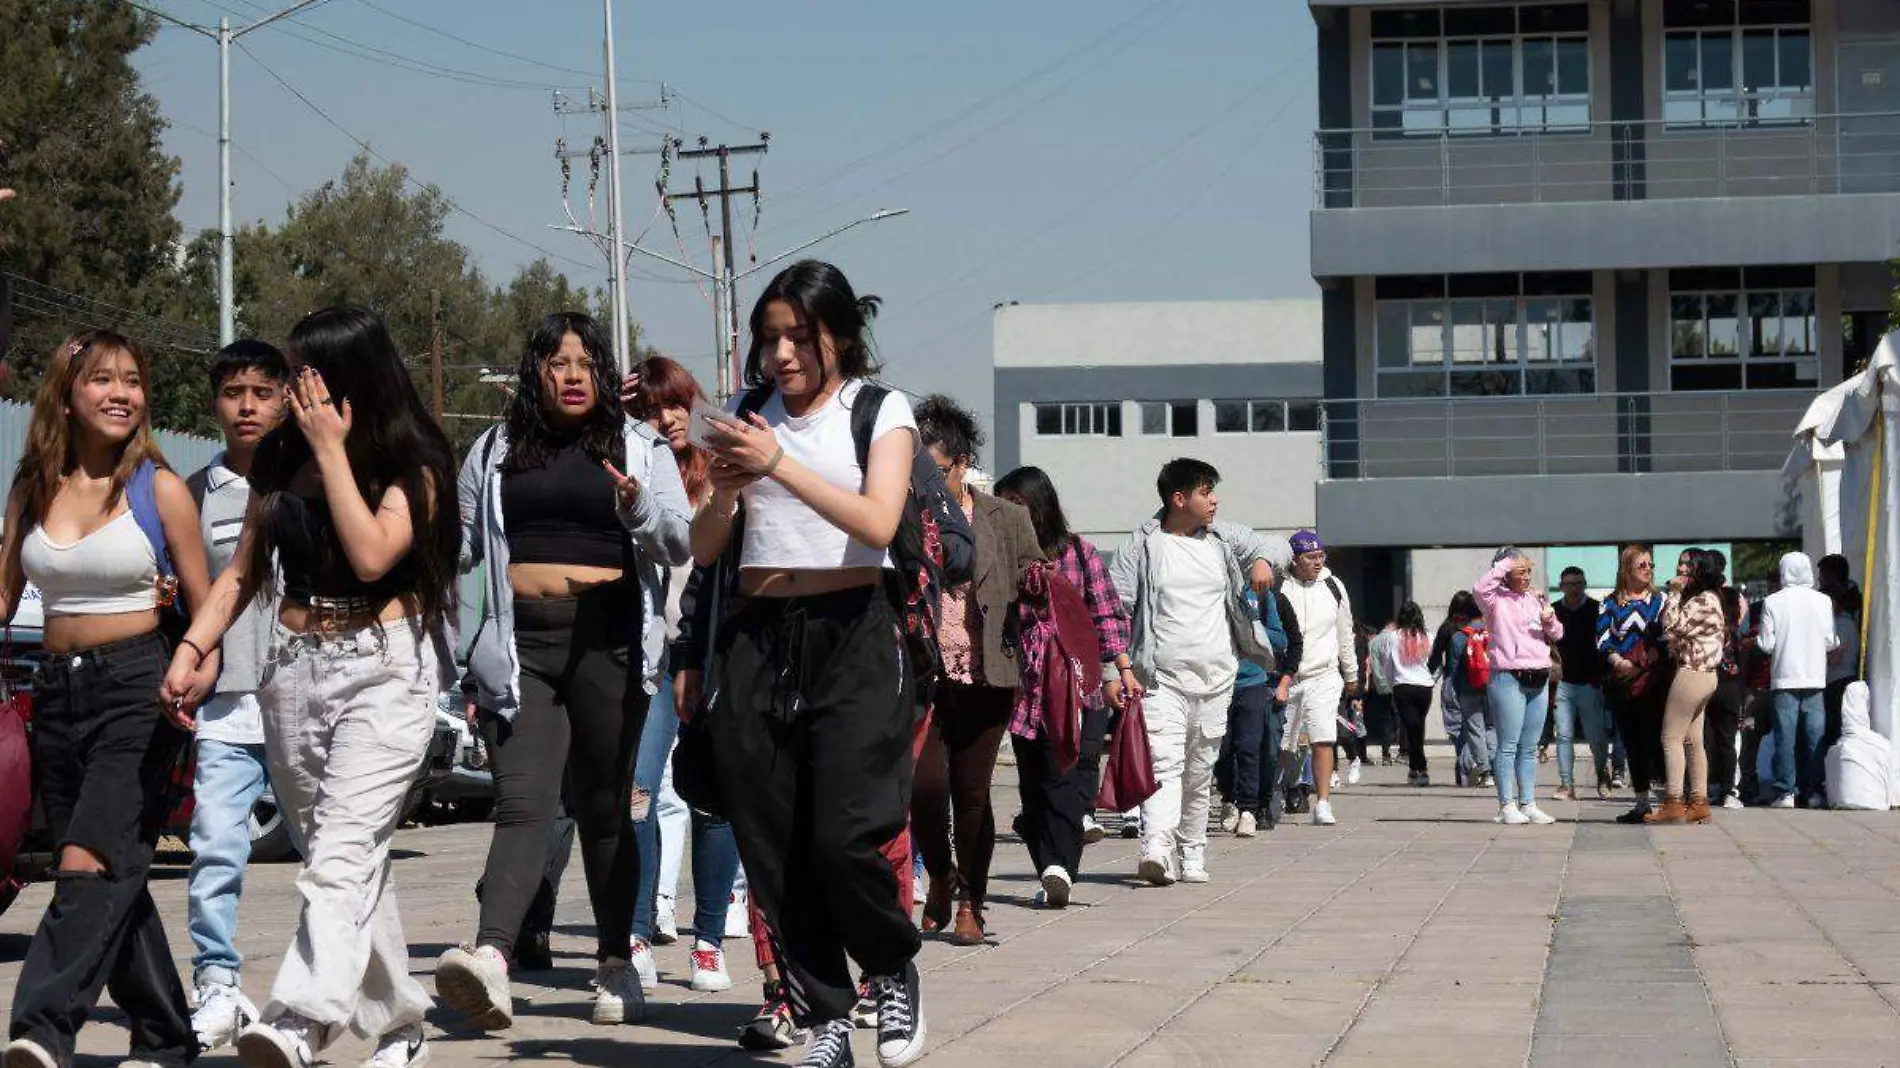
(563, 513)
(313, 561)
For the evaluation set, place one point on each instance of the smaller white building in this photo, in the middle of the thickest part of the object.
(1101, 395)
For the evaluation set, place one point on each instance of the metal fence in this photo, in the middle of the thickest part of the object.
(1648, 159)
(1603, 433)
(184, 452)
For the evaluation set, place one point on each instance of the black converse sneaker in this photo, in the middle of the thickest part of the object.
(830, 1046)
(900, 1017)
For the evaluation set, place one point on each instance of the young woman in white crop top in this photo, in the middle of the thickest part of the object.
(811, 710)
(71, 530)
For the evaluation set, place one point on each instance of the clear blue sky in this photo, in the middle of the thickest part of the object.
(1061, 150)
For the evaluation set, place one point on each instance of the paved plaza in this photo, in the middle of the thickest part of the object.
(1416, 933)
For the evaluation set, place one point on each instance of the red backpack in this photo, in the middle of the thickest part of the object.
(1477, 658)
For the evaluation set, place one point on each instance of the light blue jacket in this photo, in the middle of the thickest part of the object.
(658, 525)
(1244, 546)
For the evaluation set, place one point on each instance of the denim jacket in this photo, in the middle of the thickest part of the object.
(658, 526)
(1243, 545)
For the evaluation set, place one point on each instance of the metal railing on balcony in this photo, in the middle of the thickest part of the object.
(1646, 160)
(1596, 434)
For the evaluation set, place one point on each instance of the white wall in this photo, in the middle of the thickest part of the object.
(1439, 573)
(1146, 334)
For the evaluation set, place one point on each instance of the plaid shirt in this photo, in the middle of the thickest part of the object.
(1079, 565)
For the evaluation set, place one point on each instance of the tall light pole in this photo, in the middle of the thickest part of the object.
(225, 36)
(619, 281)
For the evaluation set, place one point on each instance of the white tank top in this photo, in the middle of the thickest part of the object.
(111, 570)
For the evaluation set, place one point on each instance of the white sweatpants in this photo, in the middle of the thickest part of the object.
(1184, 733)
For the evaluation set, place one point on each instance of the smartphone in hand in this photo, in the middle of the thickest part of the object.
(704, 420)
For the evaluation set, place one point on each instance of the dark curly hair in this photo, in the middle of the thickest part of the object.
(530, 440)
(942, 422)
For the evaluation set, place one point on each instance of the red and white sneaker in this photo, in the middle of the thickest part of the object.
(709, 968)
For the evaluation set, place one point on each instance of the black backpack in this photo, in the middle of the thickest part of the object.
(934, 547)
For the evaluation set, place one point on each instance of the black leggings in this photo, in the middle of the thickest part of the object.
(582, 710)
(1639, 720)
(1720, 725)
(811, 723)
(1413, 704)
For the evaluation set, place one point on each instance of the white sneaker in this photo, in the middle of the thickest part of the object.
(26, 1053)
(1537, 815)
(738, 917)
(1229, 818)
(618, 998)
(281, 1043)
(640, 955)
(1352, 772)
(666, 930)
(1784, 801)
(1511, 816)
(1323, 814)
(222, 1012)
(1817, 800)
(709, 968)
(1056, 885)
(1733, 801)
(1092, 830)
(474, 981)
(1156, 871)
(1333, 783)
(402, 1048)
(1194, 871)
(1247, 827)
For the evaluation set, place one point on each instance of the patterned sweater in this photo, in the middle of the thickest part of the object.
(1697, 630)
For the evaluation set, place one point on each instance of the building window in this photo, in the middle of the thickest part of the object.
(1484, 335)
(1753, 328)
(1171, 419)
(1737, 61)
(1079, 420)
(1265, 416)
(1481, 70)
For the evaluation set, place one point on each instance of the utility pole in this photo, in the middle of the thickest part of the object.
(728, 337)
(721, 272)
(619, 282)
(435, 353)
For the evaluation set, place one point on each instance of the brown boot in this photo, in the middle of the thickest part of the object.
(968, 930)
(937, 907)
(1699, 808)
(1672, 811)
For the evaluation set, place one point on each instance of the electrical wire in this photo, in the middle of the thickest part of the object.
(504, 53)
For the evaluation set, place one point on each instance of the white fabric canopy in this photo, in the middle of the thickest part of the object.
(1845, 476)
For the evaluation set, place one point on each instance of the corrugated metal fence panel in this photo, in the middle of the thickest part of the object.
(184, 452)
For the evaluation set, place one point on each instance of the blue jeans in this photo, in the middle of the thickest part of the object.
(228, 781)
(1581, 706)
(1800, 720)
(1518, 713)
(715, 852)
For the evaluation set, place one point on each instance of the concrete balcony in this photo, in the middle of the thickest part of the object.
(1607, 195)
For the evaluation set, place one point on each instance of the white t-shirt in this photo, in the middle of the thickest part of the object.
(782, 531)
(1194, 650)
(231, 718)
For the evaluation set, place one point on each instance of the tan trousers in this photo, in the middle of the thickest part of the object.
(1682, 730)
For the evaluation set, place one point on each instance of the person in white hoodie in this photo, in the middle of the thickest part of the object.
(1329, 665)
(1860, 766)
(1797, 633)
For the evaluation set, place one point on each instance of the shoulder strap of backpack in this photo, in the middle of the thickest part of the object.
(864, 419)
(754, 399)
(1339, 595)
(141, 494)
(199, 484)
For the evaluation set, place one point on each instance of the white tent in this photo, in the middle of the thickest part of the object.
(1845, 475)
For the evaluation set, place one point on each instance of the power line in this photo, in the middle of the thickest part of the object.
(407, 172)
(54, 302)
(480, 47)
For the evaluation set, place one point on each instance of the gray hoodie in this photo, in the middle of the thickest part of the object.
(1244, 546)
(1797, 628)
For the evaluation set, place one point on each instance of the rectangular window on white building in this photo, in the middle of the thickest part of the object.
(1478, 71)
(1482, 335)
(1171, 419)
(1265, 416)
(1079, 420)
(1748, 328)
(1737, 61)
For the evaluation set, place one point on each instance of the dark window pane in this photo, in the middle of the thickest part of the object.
(1684, 13)
(1071, 419)
(1776, 12)
(1461, 70)
(1230, 417)
(1557, 283)
(1797, 62)
(1421, 72)
(1554, 18)
(1388, 75)
(1154, 417)
(1405, 23)
(1573, 68)
(1302, 416)
(1687, 338)
(1679, 63)
(1791, 277)
(1718, 62)
(1393, 333)
(1412, 384)
(1486, 383)
(1048, 418)
(1114, 420)
(1409, 287)
(1706, 278)
(1483, 285)
(1758, 60)
(1187, 420)
(1560, 382)
(1388, 123)
(1540, 68)
(1268, 417)
(1686, 378)
(1499, 81)
(1480, 22)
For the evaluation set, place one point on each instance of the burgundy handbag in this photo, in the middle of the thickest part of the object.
(16, 775)
(1128, 779)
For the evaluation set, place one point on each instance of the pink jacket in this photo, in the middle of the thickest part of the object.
(1520, 637)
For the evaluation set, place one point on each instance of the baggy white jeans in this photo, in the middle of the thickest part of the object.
(1184, 733)
(347, 723)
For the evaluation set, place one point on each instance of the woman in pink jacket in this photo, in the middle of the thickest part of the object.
(1522, 627)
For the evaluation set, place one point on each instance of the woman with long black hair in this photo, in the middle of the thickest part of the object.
(811, 705)
(577, 510)
(350, 499)
(1697, 630)
(92, 517)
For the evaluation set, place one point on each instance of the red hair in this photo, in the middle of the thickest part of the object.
(666, 383)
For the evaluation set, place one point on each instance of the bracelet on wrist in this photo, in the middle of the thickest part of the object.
(772, 464)
(196, 648)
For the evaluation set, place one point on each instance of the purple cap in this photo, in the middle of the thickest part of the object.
(1305, 541)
